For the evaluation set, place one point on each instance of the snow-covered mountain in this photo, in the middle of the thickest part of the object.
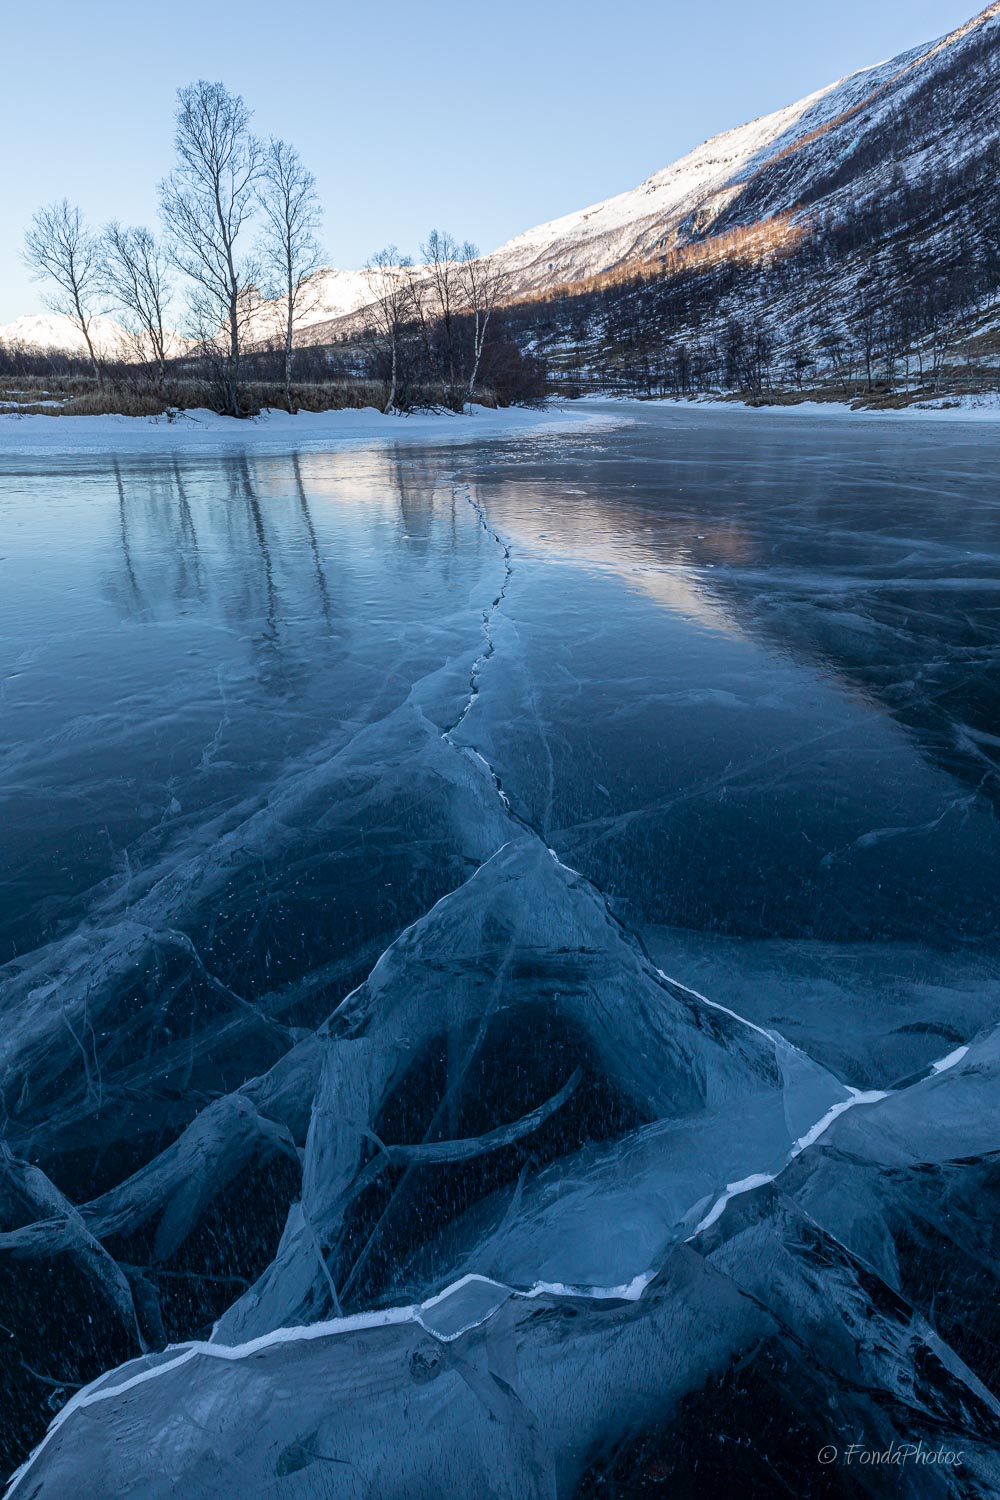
(719, 180)
(330, 297)
(54, 331)
(843, 143)
(840, 145)
(51, 332)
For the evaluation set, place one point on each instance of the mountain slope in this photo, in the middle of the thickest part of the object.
(662, 210)
(762, 168)
(897, 157)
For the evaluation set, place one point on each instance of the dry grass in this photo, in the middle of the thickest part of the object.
(857, 397)
(82, 398)
(333, 395)
(126, 401)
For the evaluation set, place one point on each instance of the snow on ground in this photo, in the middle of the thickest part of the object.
(201, 428)
(981, 407)
(204, 429)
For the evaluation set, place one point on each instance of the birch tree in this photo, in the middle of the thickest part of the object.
(60, 248)
(136, 280)
(207, 204)
(289, 243)
(443, 272)
(484, 284)
(387, 274)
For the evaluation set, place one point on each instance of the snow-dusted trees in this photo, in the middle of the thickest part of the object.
(391, 308)
(484, 283)
(207, 203)
(135, 277)
(61, 249)
(289, 244)
(748, 351)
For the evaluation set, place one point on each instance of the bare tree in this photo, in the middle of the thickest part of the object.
(441, 257)
(135, 278)
(290, 246)
(417, 310)
(864, 322)
(387, 274)
(60, 247)
(207, 203)
(484, 284)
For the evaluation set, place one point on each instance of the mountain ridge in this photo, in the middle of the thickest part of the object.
(788, 166)
(704, 187)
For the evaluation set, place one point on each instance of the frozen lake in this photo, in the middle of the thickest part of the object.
(568, 861)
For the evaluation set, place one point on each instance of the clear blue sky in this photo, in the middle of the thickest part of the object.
(482, 118)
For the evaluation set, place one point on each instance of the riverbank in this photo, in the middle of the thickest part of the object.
(979, 407)
(204, 429)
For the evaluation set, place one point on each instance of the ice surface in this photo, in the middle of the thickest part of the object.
(508, 1003)
(485, 1391)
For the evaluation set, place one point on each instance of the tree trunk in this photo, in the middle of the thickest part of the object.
(450, 348)
(290, 309)
(479, 344)
(84, 323)
(472, 377)
(98, 371)
(234, 359)
(478, 338)
(288, 351)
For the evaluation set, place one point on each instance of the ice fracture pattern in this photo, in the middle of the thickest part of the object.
(500, 966)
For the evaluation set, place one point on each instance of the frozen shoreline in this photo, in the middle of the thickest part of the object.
(205, 430)
(982, 407)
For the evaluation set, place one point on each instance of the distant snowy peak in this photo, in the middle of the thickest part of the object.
(328, 297)
(56, 332)
(332, 294)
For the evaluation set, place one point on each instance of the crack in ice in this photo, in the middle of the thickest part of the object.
(473, 1298)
